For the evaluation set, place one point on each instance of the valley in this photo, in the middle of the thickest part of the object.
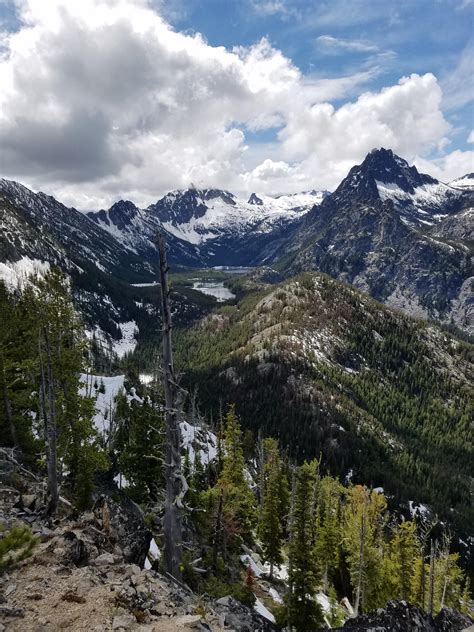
(337, 324)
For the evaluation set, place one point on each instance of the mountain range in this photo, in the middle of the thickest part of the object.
(401, 236)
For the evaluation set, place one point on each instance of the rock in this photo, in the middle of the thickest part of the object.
(123, 622)
(104, 559)
(449, 620)
(400, 616)
(128, 526)
(242, 618)
(10, 590)
(5, 611)
(84, 585)
(76, 549)
(29, 501)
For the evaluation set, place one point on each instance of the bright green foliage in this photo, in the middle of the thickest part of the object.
(16, 545)
(363, 541)
(275, 506)
(328, 528)
(404, 551)
(304, 612)
(239, 513)
(466, 597)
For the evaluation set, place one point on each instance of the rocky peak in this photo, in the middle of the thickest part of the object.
(181, 206)
(381, 166)
(122, 212)
(254, 199)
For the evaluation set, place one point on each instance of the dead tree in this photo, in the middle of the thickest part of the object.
(175, 483)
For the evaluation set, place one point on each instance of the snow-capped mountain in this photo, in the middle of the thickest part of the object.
(385, 230)
(464, 182)
(36, 224)
(399, 235)
(207, 226)
(201, 215)
(419, 198)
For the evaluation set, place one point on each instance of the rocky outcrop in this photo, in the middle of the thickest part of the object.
(238, 617)
(127, 525)
(400, 616)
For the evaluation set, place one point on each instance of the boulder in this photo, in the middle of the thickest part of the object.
(242, 618)
(126, 523)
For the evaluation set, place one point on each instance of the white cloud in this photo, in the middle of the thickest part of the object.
(449, 167)
(337, 45)
(102, 99)
(470, 138)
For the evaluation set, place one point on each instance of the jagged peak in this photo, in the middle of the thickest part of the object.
(382, 166)
(254, 199)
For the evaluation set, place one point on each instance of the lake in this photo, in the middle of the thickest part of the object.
(214, 288)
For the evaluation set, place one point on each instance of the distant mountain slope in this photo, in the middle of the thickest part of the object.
(208, 226)
(329, 370)
(378, 231)
(465, 182)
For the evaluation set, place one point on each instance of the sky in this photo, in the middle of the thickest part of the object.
(103, 100)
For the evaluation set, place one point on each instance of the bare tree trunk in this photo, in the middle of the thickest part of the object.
(361, 565)
(51, 429)
(172, 527)
(6, 402)
(432, 577)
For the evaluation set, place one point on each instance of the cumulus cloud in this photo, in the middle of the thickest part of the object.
(448, 167)
(102, 99)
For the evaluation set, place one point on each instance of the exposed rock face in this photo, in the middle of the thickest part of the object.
(127, 523)
(400, 616)
(389, 239)
(240, 618)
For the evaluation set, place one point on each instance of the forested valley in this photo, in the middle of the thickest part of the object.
(318, 482)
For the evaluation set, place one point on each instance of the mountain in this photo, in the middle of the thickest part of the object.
(465, 182)
(208, 226)
(136, 229)
(393, 233)
(37, 231)
(326, 369)
(61, 234)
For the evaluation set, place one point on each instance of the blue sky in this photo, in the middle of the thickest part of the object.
(337, 38)
(108, 99)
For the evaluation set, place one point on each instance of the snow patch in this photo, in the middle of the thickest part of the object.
(15, 274)
(263, 611)
(128, 342)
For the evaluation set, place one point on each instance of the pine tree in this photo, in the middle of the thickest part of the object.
(231, 502)
(70, 436)
(328, 529)
(364, 521)
(404, 548)
(304, 612)
(275, 506)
